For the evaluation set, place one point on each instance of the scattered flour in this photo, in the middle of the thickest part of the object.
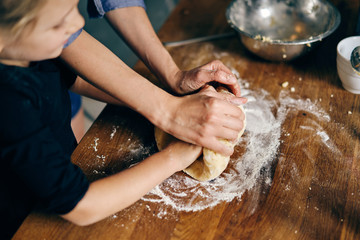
(96, 142)
(114, 129)
(101, 160)
(256, 151)
(261, 141)
(258, 148)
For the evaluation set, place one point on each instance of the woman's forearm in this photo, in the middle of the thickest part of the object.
(134, 27)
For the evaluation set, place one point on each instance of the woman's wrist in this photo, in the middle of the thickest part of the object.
(169, 75)
(160, 112)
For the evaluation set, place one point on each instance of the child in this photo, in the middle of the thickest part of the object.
(36, 140)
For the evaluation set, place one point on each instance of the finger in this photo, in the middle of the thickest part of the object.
(229, 127)
(238, 100)
(222, 104)
(219, 147)
(223, 120)
(224, 113)
(215, 71)
(217, 75)
(214, 144)
(208, 88)
(220, 76)
(233, 123)
(230, 98)
(230, 135)
(217, 64)
(233, 87)
(233, 112)
(210, 91)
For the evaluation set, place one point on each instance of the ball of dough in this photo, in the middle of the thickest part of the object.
(210, 164)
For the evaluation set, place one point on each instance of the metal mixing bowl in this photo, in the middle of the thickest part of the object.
(282, 30)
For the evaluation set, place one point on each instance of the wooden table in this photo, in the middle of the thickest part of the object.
(313, 191)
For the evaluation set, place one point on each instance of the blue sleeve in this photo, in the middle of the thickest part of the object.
(72, 38)
(98, 8)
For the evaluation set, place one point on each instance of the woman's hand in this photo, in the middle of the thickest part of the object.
(203, 118)
(214, 71)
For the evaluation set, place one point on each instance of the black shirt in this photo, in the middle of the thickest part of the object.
(36, 142)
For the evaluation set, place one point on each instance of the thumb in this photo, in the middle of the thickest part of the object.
(207, 87)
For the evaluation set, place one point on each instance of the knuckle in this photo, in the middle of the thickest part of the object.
(240, 114)
(216, 62)
(209, 117)
(199, 139)
(202, 140)
(205, 131)
(212, 102)
(218, 74)
(198, 74)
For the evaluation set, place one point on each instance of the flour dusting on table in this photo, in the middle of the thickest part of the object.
(256, 152)
(259, 145)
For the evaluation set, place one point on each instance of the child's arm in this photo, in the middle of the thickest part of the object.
(200, 118)
(84, 88)
(141, 37)
(112, 194)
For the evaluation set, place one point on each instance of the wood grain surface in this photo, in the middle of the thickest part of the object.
(313, 191)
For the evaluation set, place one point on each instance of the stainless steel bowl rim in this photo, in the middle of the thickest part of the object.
(282, 42)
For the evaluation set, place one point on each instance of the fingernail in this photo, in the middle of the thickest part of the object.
(238, 101)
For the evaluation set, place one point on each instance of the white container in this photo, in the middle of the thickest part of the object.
(349, 77)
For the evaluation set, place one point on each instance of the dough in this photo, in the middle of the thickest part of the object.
(210, 164)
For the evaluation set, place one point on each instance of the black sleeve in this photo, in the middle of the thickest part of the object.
(68, 76)
(29, 149)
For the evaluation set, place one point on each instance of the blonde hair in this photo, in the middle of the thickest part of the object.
(15, 15)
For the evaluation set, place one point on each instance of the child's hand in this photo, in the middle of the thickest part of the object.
(203, 118)
(214, 71)
(182, 154)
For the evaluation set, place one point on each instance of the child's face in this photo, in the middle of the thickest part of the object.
(56, 22)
